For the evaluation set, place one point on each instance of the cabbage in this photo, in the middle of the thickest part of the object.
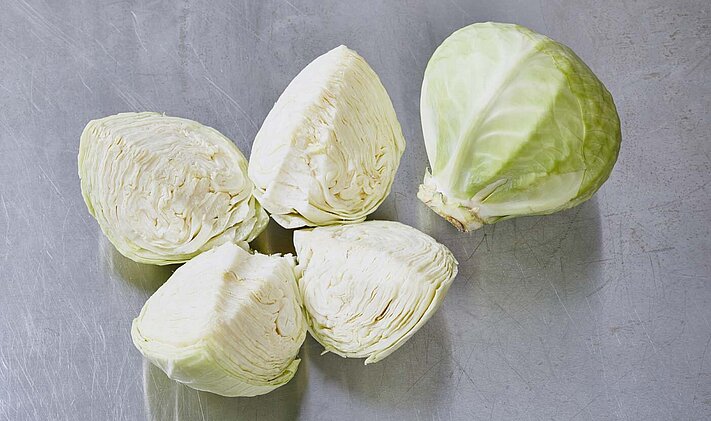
(514, 124)
(328, 151)
(227, 322)
(367, 288)
(164, 189)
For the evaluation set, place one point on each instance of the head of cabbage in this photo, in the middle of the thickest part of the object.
(514, 124)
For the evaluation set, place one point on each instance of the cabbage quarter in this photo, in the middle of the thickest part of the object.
(328, 151)
(165, 189)
(514, 124)
(227, 322)
(367, 288)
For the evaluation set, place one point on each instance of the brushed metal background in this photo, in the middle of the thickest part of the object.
(599, 312)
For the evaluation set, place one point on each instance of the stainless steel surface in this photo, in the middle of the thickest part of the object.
(600, 312)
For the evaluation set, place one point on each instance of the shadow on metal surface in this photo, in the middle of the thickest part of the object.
(166, 399)
(520, 305)
(147, 278)
(559, 250)
(564, 246)
(274, 239)
(388, 210)
(416, 371)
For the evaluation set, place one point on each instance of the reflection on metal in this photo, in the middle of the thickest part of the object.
(274, 239)
(166, 399)
(146, 278)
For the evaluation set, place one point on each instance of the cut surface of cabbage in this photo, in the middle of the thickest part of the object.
(514, 124)
(329, 149)
(165, 189)
(367, 288)
(227, 322)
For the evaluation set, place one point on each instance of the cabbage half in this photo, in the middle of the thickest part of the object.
(227, 322)
(328, 151)
(367, 288)
(514, 124)
(164, 189)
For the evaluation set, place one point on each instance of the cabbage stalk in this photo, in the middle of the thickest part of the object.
(367, 288)
(514, 124)
(329, 149)
(227, 322)
(165, 189)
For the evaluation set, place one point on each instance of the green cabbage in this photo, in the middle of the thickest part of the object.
(165, 189)
(368, 287)
(227, 322)
(514, 124)
(328, 151)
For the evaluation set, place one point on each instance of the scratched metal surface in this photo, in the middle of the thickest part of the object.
(600, 312)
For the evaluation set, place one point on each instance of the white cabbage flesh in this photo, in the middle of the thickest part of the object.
(227, 322)
(367, 288)
(165, 189)
(514, 124)
(328, 151)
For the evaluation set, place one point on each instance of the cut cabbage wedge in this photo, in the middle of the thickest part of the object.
(328, 151)
(227, 322)
(367, 288)
(165, 189)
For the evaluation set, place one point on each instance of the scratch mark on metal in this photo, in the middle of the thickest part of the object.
(622, 377)
(423, 375)
(698, 64)
(54, 186)
(120, 376)
(202, 63)
(461, 9)
(80, 319)
(412, 54)
(7, 228)
(106, 51)
(508, 363)
(132, 102)
(135, 31)
(520, 269)
(232, 100)
(202, 411)
(701, 368)
(476, 248)
(507, 313)
(111, 24)
(644, 328)
(469, 378)
(561, 301)
(36, 18)
(585, 406)
(64, 230)
(294, 7)
(84, 83)
(32, 89)
(246, 25)
(598, 289)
